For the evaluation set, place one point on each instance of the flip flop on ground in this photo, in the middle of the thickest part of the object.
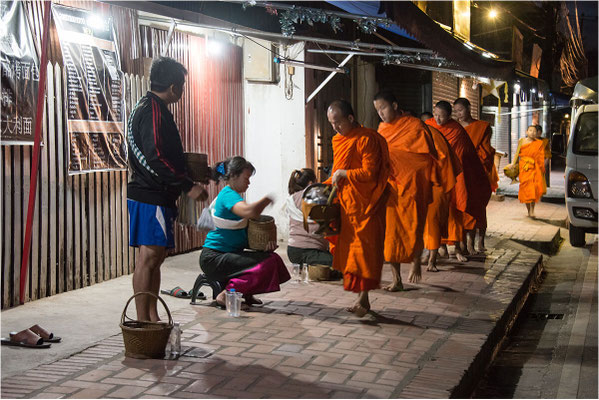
(25, 338)
(44, 334)
(178, 292)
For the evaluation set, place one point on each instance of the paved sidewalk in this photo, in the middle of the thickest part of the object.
(432, 340)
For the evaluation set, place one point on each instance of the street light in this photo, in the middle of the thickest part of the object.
(492, 13)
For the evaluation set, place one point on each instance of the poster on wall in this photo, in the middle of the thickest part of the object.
(94, 83)
(20, 76)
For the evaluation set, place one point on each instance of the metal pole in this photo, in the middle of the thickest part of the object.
(328, 78)
(269, 35)
(169, 39)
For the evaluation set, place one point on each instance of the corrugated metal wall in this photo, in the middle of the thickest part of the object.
(79, 234)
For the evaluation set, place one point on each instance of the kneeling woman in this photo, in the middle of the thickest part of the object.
(224, 257)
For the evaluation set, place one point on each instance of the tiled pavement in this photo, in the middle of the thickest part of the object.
(432, 340)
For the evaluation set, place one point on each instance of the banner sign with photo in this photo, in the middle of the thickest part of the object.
(94, 83)
(20, 75)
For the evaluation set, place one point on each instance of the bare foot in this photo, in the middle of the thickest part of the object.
(415, 274)
(461, 257)
(394, 287)
(443, 251)
(358, 310)
(432, 268)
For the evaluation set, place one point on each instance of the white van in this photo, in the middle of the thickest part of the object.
(581, 163)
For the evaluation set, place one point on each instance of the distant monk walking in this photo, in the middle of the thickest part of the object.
(412, 155)
(447, 169)
(480, 133)
(473, 190)
(360, 171)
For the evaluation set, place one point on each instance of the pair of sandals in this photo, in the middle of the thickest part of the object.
(182, 294)
(35, 337)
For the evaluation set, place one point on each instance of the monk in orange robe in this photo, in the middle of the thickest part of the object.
(412, 156)
(445, 175)
(360, 171)
(531, 163)
(480, 133)
(473, 189)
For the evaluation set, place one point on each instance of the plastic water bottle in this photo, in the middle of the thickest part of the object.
(175, 341)
(233, 302)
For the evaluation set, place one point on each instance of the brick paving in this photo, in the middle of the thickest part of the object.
(432, 340)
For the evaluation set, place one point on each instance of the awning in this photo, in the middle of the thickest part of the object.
(370, 8)
(419, 25)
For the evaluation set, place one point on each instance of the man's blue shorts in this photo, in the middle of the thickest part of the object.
(151, 225)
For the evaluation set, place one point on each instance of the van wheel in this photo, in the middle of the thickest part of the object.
(577, 238)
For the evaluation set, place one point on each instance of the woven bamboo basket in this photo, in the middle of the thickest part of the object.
(197, 166)
(145, 339)
(261, 230)
(318, 272)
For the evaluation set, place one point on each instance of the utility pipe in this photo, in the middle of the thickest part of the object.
(278, 60)
(169, 39)
(270, 35)
(328, 78)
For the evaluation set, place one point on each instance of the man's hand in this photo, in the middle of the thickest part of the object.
(338, 175)
(198, 193)
(272, 246)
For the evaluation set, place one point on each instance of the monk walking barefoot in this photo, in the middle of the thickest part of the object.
(360, 171)
(472, 189)
(412, 156)
(480, 133)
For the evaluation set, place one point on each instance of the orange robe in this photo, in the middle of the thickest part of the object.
(473, 189)
(358, 251)
(412, 156)
(480, 133)
(447, 169)
(531, 163)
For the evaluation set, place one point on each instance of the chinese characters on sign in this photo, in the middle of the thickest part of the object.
(94, 102)
(20, 76)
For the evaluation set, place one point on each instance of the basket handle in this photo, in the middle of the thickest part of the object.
(333, 192)
(170, 318)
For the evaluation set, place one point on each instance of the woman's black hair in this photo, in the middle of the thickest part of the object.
(300, 179)
(231, 168)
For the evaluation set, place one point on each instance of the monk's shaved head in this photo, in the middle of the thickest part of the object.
(343, 106)
(445, 106)
(341, 116)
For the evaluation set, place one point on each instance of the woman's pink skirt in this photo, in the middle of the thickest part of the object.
(264, 277)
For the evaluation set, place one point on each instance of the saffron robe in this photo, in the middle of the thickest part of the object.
(447, 169)
(412, 155)
(358, 249)
(473, 189)
(480, 133)
(531, 164)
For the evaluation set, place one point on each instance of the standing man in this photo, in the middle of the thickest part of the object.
(157, 177)
(472, 189)
(480, 133)
(360, 171)
(412, 157)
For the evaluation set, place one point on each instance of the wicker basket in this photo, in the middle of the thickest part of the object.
(319, 272)
(145, 339)
(261, 230)
(197, 166)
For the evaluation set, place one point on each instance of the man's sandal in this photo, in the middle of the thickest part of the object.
(44, 334)
(25, 338)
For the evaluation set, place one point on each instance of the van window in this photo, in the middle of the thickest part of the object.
(585, 135)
